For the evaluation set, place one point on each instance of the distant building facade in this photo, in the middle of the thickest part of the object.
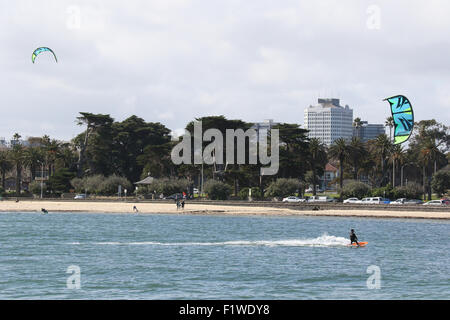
(3, 143)
(329, 121)
(368, 131)
(29, 142)
(265, 125)
(262, 128)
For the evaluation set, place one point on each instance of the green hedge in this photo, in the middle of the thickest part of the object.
(166, 186)
(256, 193)
(100, 185)
(356, 189)
(282, 188)
(217, 190)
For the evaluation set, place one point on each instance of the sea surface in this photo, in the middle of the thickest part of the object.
(132, 256)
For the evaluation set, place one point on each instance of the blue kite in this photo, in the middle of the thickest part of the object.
(39, 51)
(403, 115)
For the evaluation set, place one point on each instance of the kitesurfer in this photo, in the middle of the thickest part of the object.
(353, 237)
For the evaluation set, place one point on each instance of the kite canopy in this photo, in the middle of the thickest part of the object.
(39, 51)
(403, 115)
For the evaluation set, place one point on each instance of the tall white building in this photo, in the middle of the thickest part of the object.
(329, 121)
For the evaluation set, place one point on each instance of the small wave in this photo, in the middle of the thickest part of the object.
(322, 241)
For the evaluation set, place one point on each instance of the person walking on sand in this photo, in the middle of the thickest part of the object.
(353, 237)
(182, 204)
(135, 209)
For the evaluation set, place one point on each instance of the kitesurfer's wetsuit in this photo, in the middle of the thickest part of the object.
(353, 238)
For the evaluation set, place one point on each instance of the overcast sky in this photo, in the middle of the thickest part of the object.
(170, 61)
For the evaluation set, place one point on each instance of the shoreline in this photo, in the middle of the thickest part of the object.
(207, 209)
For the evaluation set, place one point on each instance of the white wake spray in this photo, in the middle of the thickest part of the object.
(324, 240)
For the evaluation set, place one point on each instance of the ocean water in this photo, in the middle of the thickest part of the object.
(130, 256)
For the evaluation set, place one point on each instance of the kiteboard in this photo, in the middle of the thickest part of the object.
(361, 244)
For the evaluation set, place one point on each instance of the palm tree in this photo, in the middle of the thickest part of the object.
(428, 154)
(389, 123)
(32, 157)
(5, 165)
(397, 154)
(317, 158)
(357, 123)
(356, 153)
(52, 152)
(17, 157)
(67, 156)
(381, 148)
(339, 150)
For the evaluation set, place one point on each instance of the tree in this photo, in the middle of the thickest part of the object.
(217, 190)
(60, 181)
(356, 189)
(357, 124)
(134, 139)
(282, 187)
(35, 187)
(294, 151)
(356, 153)
(441, 182)
(51, 152)
(380, 148)
(32, 158)
(5, 165)
(397, 156)
(339, 150)
(94, 123)
(317, 159)
(167, 186)
(110, 185)
(427, 155)
(426, 130)
(411, 191)
(220, 169)
(18, 158)
(245, 192)
(389, 123)
(124, 148)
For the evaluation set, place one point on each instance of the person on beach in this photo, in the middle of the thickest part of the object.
(353, 237)
(178, 204)
(182, 204)
(135, 209)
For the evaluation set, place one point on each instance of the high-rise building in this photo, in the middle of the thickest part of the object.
(368, 131)
(329, 121)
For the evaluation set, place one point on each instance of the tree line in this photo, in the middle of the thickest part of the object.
(109, 152)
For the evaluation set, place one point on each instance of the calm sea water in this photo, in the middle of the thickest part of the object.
(127, 256)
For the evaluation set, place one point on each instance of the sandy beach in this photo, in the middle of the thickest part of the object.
(207, 209)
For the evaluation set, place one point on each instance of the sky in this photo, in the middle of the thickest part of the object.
(172, 61)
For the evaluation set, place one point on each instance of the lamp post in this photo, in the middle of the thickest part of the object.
(201, 189)
(42, 178)
(401, 172)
